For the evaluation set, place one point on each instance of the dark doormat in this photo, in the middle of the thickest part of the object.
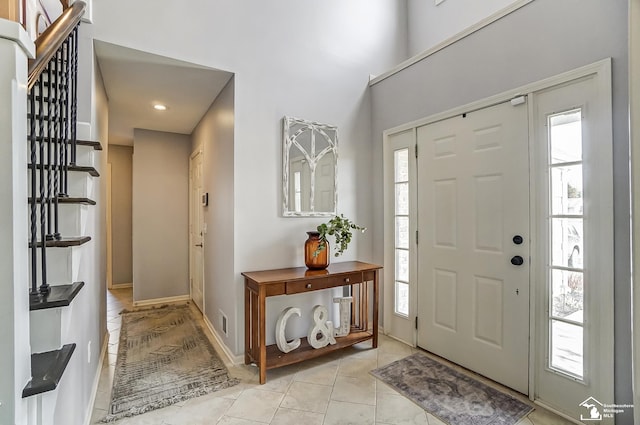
(450, 395)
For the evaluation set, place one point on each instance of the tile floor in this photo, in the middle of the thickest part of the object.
(331, 390)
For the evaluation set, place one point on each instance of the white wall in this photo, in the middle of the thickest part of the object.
(15, 360)
(430, 24)
(302, 58)
(214, 136)
(160, 215)
(512, 52)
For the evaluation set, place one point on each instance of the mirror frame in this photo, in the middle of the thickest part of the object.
(289, 141)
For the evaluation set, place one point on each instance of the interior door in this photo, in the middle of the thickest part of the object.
(196, 226)
(473, 250)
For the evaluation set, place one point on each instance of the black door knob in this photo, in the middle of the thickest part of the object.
(517, 239)
(517, 260)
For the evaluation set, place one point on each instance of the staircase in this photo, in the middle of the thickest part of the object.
(60, 173)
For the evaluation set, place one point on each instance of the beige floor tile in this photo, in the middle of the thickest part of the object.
(256, 405)
(382, 388)
(323, 374)
(297, 417)
(103, 398)
(434, 421)
(154, 417)
(355, 390)
(97, 415)
(524, 421)
(399, 410)
(356, 367)
(341, 413)
(199, 411)
(542, 416)
(307, 397)
(226, 420)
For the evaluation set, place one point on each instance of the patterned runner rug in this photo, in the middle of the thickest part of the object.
(164, 357)
(450, 395)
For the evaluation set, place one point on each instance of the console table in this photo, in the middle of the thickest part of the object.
(361, 277)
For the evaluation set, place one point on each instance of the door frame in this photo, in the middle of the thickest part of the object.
(602, 69)
(634, 141)
(193, 155)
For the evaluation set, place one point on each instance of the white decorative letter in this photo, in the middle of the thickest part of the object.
(345, 325)
(320, 326)
(281, 324)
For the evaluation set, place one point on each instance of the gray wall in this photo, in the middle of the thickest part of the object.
(430, 24)
(121, 160)
(306, 59)
(214, 135)
(543, 39)
(160, 215)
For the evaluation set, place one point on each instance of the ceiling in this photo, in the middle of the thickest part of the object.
(135, 81)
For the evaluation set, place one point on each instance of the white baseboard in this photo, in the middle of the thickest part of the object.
(121, 285)
(236, 360)
(167, 300)
(96, 379)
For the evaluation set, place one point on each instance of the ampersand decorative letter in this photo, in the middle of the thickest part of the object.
(320, 326)
(281, 324)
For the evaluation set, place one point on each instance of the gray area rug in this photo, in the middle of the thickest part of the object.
(164, 357)
(449, 395)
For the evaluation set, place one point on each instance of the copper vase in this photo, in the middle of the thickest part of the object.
(319, 261)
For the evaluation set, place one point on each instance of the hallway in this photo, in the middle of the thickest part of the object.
(336, 389)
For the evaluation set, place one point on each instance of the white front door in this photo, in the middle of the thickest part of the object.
(473, 241)
(196, 226)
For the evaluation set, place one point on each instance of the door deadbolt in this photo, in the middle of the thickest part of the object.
(517, 239)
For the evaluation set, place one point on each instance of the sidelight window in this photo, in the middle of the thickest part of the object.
(401, 244)
(566, 225)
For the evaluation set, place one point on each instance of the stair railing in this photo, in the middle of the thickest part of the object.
(52, 116)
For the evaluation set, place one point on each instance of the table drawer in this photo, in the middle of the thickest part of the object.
(316, 284)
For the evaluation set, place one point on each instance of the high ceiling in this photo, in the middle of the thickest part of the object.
(135, 81)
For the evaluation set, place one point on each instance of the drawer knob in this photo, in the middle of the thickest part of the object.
(308, 286)
(346, 280)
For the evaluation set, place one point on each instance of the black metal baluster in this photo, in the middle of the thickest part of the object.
(50, 130)
(74, 92)
(44, 286)
(58, 131)
(64, 143)
(33, 231)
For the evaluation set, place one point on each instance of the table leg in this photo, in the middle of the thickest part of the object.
(247, 324)
(376, 295)
(262, 343)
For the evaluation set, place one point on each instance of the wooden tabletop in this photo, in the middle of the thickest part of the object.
(300, 273)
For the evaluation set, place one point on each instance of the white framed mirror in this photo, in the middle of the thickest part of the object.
(309, 168)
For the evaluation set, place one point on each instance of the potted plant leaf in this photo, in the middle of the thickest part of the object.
(317, 246)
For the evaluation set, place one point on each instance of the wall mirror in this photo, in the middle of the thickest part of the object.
(310, 165)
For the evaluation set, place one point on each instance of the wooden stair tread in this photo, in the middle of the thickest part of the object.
(80, 168)
(58, 296)
(47, 369)
(69, 200)
(92, 143)
(65, 242)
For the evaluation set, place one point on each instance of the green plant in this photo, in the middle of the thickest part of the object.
(341, 229)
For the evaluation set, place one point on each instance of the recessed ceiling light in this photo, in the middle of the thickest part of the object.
(160, 107)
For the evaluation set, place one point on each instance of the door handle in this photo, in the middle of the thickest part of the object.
(517, 260)
(199, 244)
